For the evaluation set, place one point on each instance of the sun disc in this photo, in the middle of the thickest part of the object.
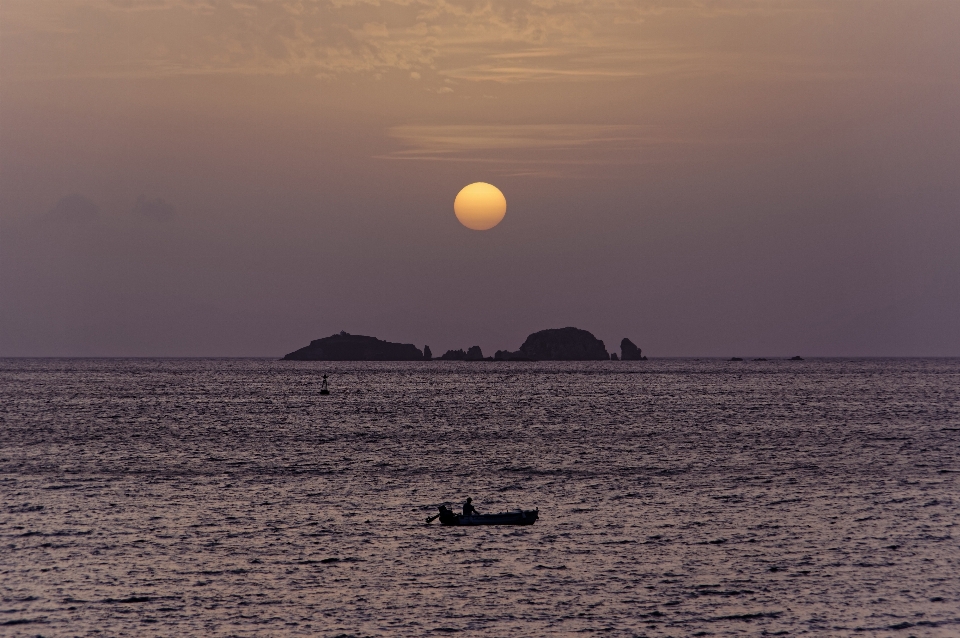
(480, 206)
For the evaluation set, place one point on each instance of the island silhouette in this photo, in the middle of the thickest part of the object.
(555, 344)
(347, 347)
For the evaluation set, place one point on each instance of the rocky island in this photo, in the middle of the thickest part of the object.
(557, 344)
(564, 344)
(347, 347)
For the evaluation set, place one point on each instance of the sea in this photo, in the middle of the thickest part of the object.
(676, 497)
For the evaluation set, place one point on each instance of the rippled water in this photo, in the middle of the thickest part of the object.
(677, 497)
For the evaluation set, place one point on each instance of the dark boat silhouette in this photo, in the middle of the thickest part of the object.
(323, 386)
(515, 517)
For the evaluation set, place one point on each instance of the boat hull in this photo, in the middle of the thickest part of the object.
(520, 517)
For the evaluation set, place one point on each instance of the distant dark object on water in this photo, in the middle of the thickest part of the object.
(427, 355)
(614, 357)
(348, 347)
(323, 386)
(564, 344)
(131, 599)
(630, 352)
(759, 359)
(796, 358)
(736, 359)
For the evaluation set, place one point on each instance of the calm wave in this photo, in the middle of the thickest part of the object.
(677, 497)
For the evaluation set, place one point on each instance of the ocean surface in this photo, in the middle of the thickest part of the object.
(158, 497)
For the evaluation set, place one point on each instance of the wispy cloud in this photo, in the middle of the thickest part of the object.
(454, 139)
(153, 208)
(507, 41)
(546, 150)
(74, 209)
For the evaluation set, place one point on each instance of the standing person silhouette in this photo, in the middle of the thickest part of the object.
(468, 508)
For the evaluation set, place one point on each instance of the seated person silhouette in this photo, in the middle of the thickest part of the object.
(446, 516)
(468, 508)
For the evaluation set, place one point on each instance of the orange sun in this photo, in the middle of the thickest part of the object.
(480, 206)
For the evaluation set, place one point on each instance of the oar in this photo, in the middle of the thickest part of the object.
(431, 519)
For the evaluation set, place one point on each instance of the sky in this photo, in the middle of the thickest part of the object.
(722, 178)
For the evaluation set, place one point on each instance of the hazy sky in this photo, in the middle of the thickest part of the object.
(203, 177)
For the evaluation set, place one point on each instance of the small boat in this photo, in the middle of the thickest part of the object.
(516, 517)
(323, 386)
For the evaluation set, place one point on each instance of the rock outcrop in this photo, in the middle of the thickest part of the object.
(564, 344)
(473, 354)
(506, 355)
(614, 357)
(629, 351)
(427, 355)
(348, 347)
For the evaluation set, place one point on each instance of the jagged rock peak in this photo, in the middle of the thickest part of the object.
(629, 351)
